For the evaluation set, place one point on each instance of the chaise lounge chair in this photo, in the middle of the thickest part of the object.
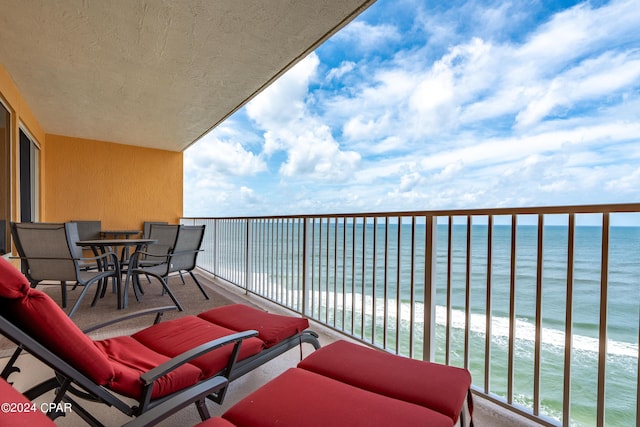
(351, 385)
(150, 366)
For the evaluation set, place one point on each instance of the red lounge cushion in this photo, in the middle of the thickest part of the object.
(438, 387)
(26, 414)
(13, 284)
(174, 337)
(131, 359)
(302, 398)
(272, 328)
(39, 316)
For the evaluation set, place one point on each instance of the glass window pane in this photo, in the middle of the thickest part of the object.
(5, 178)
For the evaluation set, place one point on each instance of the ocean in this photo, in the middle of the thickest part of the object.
(622, 320)
(344, 255)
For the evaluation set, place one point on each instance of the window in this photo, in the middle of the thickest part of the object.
(5, 179)
(29, 168)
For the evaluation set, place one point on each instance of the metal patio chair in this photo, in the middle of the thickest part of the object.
(89, 230)
(165, 236)
(146, 227)
(181, 257)
(48, 253)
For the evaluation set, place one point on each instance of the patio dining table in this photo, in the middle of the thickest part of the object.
(101, 246)
(116, 233)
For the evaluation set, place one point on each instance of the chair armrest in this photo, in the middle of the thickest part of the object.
(159, 311)
(160, 259)
(150, 376)
(104, 255)
(166, 257)
(149, 254)
(179, 253)
(177, 402)
(109, 254)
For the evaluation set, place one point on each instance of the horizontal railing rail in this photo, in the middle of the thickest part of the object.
(541, 304)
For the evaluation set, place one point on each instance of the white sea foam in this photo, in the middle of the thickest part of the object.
(525, 330)
(552, 339)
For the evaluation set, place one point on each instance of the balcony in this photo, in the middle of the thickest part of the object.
(541, 304)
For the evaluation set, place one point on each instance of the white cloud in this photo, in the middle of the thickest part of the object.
(433, 101)
(315, 154)
(628, 182)
(363, 36)
(409, 181)
(450, 119)
(282, 112)
(577, 31)
(449, 172)
(284, 101)
(224, 157)
(344, 68)
(515, 148)
(592, 79)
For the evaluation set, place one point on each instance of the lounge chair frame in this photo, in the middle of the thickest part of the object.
(67, 378)
(247, 365)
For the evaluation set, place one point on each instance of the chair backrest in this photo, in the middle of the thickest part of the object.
(73, 234)
(45, 251)
(89, 230)
(165, 234)
(146, 227)
(189, 240)
(35, 314)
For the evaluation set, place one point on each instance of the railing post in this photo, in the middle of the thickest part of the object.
(248, 257)
(305, 266)
(428, 340)
(215, 245)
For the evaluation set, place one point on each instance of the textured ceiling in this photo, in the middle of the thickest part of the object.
(155, 73)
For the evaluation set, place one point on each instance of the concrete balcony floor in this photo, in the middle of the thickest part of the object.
(486, 414)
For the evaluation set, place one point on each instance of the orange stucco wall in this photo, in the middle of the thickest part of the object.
(121, 185)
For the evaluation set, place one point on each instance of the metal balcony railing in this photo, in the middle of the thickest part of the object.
(540, 304)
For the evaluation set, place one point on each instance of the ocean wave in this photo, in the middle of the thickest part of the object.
(524, 329)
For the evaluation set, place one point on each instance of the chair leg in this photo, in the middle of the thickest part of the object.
(203, 411)
(165, 287)
(137, 287)
(103, 284)
(98, 295)
(117, 283)
(132, 278)
(77, 304)
(42, 388)
(140, 286)
(63, 288)
(199, 285)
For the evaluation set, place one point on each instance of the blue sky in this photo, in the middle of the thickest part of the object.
(419, 105)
